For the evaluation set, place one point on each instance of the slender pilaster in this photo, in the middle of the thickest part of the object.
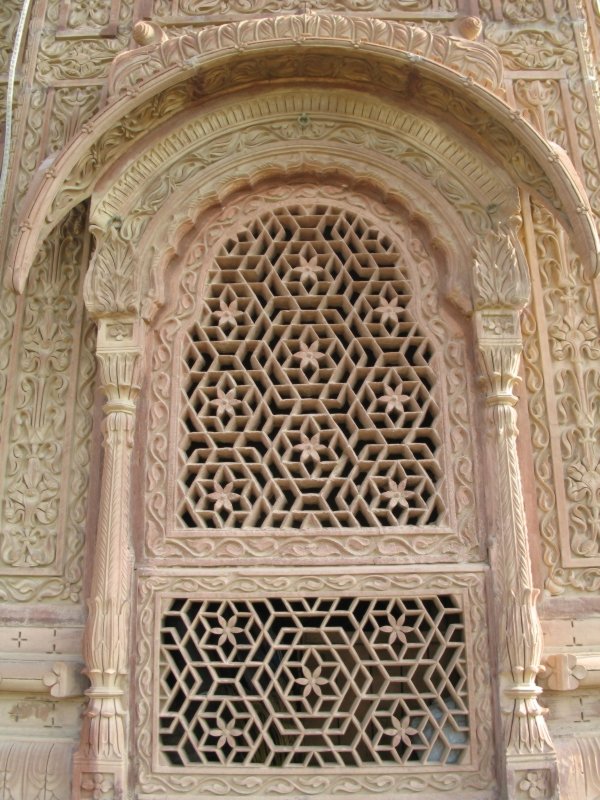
(501, 291)
(101, 762)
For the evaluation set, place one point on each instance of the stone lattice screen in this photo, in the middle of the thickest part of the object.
(308, 387)
(309, 397)
(303, 392)
(313, 682)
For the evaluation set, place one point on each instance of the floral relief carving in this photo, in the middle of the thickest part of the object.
(524, 49)
(86, 13)
(470, 59)
(111, 281)
(99, 786)
(571, 330)
(541, 100)
(79, 60)
(29, 152)
(193, 7)
(519, 11)
(42, 525)
(72, 107)
(438, 165)
(9, 19)
(533, 785)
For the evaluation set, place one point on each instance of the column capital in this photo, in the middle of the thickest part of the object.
(119, 351)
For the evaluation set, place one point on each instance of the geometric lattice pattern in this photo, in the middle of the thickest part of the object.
(307, 384)
(313, 682)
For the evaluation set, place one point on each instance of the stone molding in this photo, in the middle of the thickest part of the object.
(281, 33)
(168, 186)
(474, 61)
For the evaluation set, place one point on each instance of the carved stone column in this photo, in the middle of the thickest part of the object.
(101, 762)
(501, 291)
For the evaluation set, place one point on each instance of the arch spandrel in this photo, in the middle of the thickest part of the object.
(462, 70)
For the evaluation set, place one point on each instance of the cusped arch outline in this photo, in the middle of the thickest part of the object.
(468, 71)
(205, 155)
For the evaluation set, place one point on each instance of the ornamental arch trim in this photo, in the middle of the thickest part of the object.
(171, 184)
(152, 81)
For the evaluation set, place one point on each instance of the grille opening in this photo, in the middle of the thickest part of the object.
(313, 682)
(320, 325)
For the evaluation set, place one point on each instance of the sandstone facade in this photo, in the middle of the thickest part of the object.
(300, 399)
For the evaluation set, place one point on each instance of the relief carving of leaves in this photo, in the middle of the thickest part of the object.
(534, 48)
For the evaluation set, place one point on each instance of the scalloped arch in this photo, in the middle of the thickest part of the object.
(468, 72)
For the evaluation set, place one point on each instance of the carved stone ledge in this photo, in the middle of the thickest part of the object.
(59, 679)
(472, 60)
(566, 672)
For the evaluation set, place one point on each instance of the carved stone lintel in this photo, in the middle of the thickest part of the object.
(501, 289)
(102, 753)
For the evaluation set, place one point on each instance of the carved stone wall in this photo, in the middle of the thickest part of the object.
(542, 57)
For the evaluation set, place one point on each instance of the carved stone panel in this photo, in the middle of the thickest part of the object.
(562, 342)
(299, 405)
(302, 648)
(46, 438)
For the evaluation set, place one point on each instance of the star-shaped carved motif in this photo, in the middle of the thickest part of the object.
(312, 681)
(224, 402)
(394, 398)
(396, 494)
(228, 312)
(309, 354)
(396, 629)
(223, 496)
(401, 732)
(226, 630)
(308, 269)
(388, 309)
(226, 733)
(308, 447)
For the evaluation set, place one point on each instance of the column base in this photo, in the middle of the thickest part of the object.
(532, 777)
(98, 779)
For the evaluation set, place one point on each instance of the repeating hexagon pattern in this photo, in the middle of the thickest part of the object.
(308, 387)
(313, 682)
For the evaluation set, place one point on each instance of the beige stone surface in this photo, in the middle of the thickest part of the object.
(299, 342)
